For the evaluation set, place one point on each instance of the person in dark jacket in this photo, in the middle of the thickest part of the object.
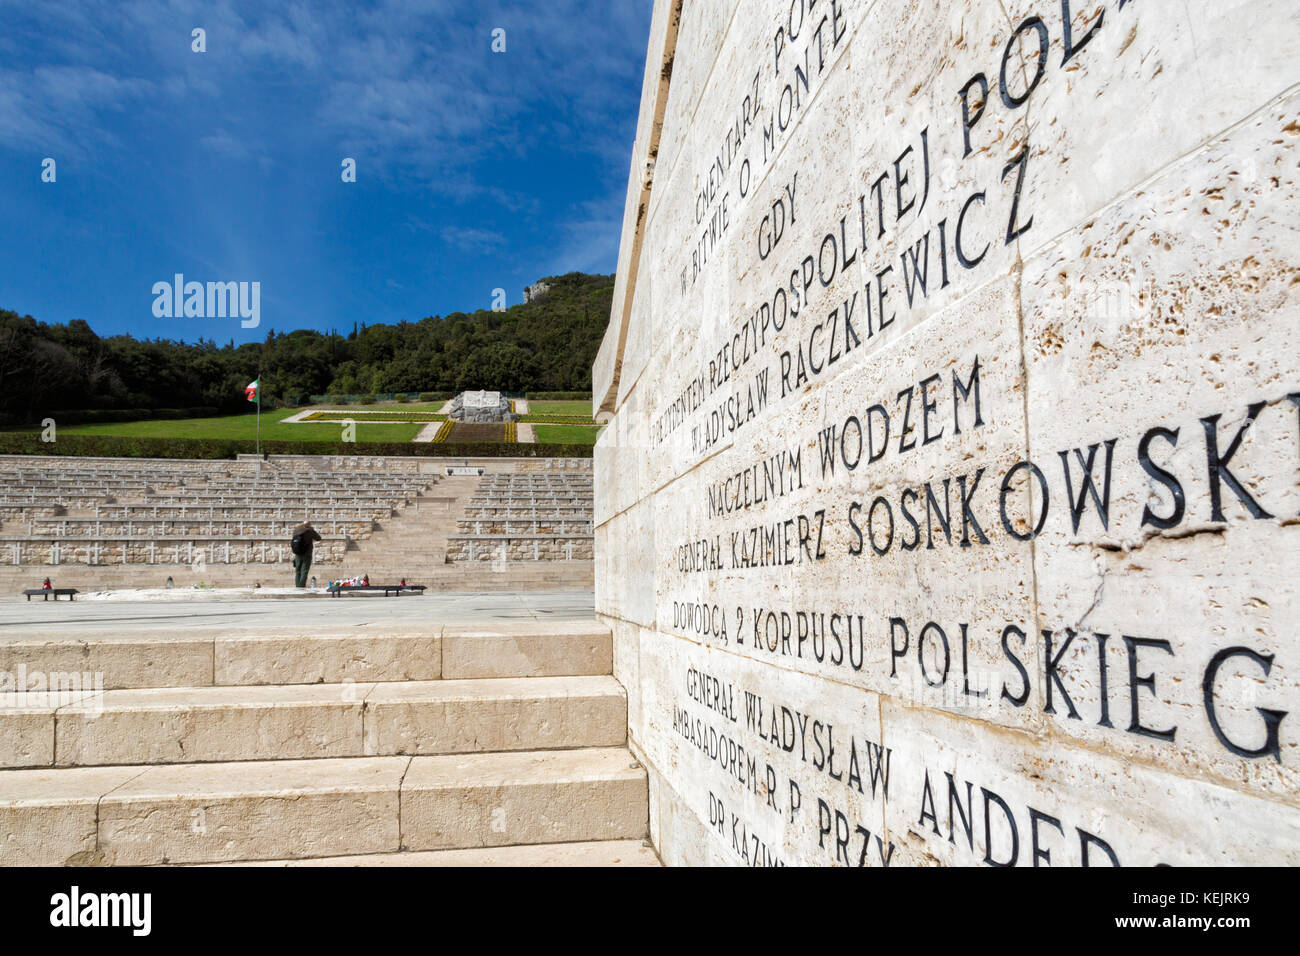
(304, 536)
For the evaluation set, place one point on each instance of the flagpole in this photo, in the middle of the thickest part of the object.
(259, 414)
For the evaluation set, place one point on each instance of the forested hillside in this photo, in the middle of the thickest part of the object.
(544, 345)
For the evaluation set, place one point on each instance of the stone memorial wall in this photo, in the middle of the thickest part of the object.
(949, 509)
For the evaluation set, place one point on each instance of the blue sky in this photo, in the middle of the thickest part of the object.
(475, 170)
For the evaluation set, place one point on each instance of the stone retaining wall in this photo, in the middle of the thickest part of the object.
(111, 551)
(515, 525)
(189, 527)
(946, 513)
(488, 548)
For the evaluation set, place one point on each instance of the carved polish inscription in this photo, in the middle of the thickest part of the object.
(908, 254)
(975, 517)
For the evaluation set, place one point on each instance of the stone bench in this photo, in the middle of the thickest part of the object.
(387, 589)
(47, 593)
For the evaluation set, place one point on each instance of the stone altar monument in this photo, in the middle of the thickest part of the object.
(481, 407)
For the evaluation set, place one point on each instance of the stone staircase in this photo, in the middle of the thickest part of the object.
(376, 745)
(412, 544)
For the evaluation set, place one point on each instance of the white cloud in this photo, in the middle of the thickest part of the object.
(484, 240)
(408, 87)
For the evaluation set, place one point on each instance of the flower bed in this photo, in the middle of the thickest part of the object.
(476, 432)
(375, 416)
(544, 419)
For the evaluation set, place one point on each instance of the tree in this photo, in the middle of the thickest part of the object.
(548, 344)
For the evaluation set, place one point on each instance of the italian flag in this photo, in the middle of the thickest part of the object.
(251, 391)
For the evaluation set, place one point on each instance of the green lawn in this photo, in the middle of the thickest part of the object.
(566, 434)
(560, 408)
(245, 426)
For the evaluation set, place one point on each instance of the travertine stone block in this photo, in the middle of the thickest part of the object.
(1159, 334)
(187, 725)
(295, 657)
(49, 817)
(27, 731)
(602, 853)
(773, 767)
(526, 650)
(627, 671)
(124, 659)
(1054, 805)
(207, 813)
(503, 799)
(467, 716)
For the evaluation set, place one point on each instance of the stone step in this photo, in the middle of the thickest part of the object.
(204, 657)
(294, 809)
(602, 853)
(220, 724)
(426, 567)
